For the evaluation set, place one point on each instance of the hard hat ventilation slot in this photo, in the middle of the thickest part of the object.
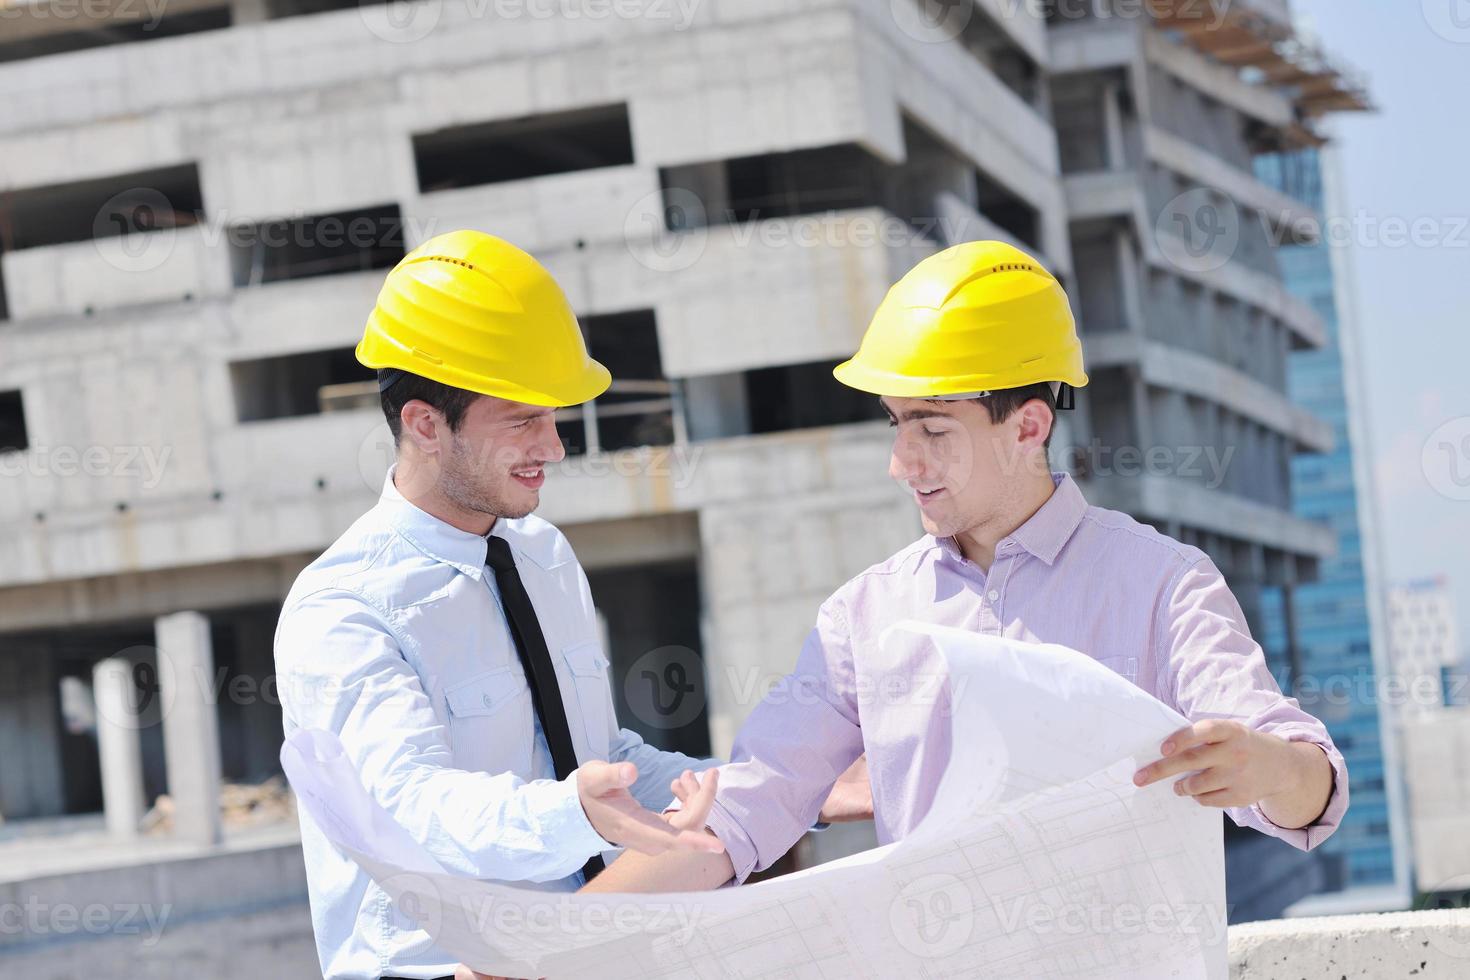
(459, 262)
(982, 273)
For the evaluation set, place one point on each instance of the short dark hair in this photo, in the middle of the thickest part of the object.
(404, 387)
(1004, 403)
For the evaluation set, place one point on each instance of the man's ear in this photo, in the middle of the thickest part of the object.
(420, 425)
(1034, 424)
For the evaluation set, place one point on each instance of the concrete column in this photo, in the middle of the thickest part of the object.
(118, 747)
(1115, 146)
(249, 11)
(190, 724)
(1130, 277)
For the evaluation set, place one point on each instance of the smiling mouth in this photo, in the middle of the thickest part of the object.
(533, 477)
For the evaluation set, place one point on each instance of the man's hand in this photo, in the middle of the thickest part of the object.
(1233, 765)
(851, 798)
(617, 817)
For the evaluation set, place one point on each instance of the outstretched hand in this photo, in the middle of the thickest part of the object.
(619, 819)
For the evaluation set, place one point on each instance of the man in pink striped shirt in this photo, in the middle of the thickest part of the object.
(969, 352)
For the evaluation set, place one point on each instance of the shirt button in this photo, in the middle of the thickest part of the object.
(486, 699)
(994, 596)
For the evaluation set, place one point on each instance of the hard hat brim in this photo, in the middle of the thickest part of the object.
(859, 376)
(592, 382)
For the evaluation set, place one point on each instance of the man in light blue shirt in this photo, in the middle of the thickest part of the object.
(403, 642)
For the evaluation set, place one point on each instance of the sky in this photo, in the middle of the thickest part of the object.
(1410, 162)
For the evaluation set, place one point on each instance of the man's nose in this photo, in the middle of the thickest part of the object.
(904, 463)
(551, 450)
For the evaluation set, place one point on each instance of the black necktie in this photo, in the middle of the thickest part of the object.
(525, 629)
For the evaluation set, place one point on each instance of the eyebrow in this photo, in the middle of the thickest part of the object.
(528, 415)
(914, 414)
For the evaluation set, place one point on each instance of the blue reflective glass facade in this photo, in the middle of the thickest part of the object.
(1333, 651)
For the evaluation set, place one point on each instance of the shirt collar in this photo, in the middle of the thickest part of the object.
(1048, 530)
(443, 542)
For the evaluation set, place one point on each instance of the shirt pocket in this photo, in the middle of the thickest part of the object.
(490, 722)
(588, 669)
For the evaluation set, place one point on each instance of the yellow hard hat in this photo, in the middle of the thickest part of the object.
(978, 317)
(471, 311)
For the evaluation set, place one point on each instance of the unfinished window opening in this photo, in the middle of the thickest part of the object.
(517, 149)
(1082, 139)
(652, 615)
(1101, 292)
(276, 9)
(773, 399)
(805, 396)
(309, 383)
(106, 207)
(780, 185)
(13, 436)
(1111, 408)
(777, 185)
(933, 171)
(316, 245)
(1009, 211)
(74, 27)
(638, 410)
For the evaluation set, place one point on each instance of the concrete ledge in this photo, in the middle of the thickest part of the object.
(1372, 947)
(77, 278)
(160, 908)
(1204, 377)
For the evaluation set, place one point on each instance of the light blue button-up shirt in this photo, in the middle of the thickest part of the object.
(395, 640)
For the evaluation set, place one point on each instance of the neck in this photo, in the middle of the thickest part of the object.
(978, 543)
(417, 484)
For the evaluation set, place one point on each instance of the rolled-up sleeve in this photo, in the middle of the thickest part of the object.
(1219, 671)
(797, 741)
(342, 669)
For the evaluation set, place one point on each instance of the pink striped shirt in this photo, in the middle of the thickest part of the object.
(1154, 610)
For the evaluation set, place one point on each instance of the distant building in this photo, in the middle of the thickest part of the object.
(1437, 773)
(1425, 640)
(1429, 703)
(1320, 636)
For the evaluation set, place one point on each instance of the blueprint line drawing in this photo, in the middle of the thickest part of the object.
(1039, 858)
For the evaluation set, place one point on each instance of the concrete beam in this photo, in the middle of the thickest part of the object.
(1163, 498)
(1204, 377)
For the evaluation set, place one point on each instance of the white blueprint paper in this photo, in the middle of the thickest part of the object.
(1039, 858)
